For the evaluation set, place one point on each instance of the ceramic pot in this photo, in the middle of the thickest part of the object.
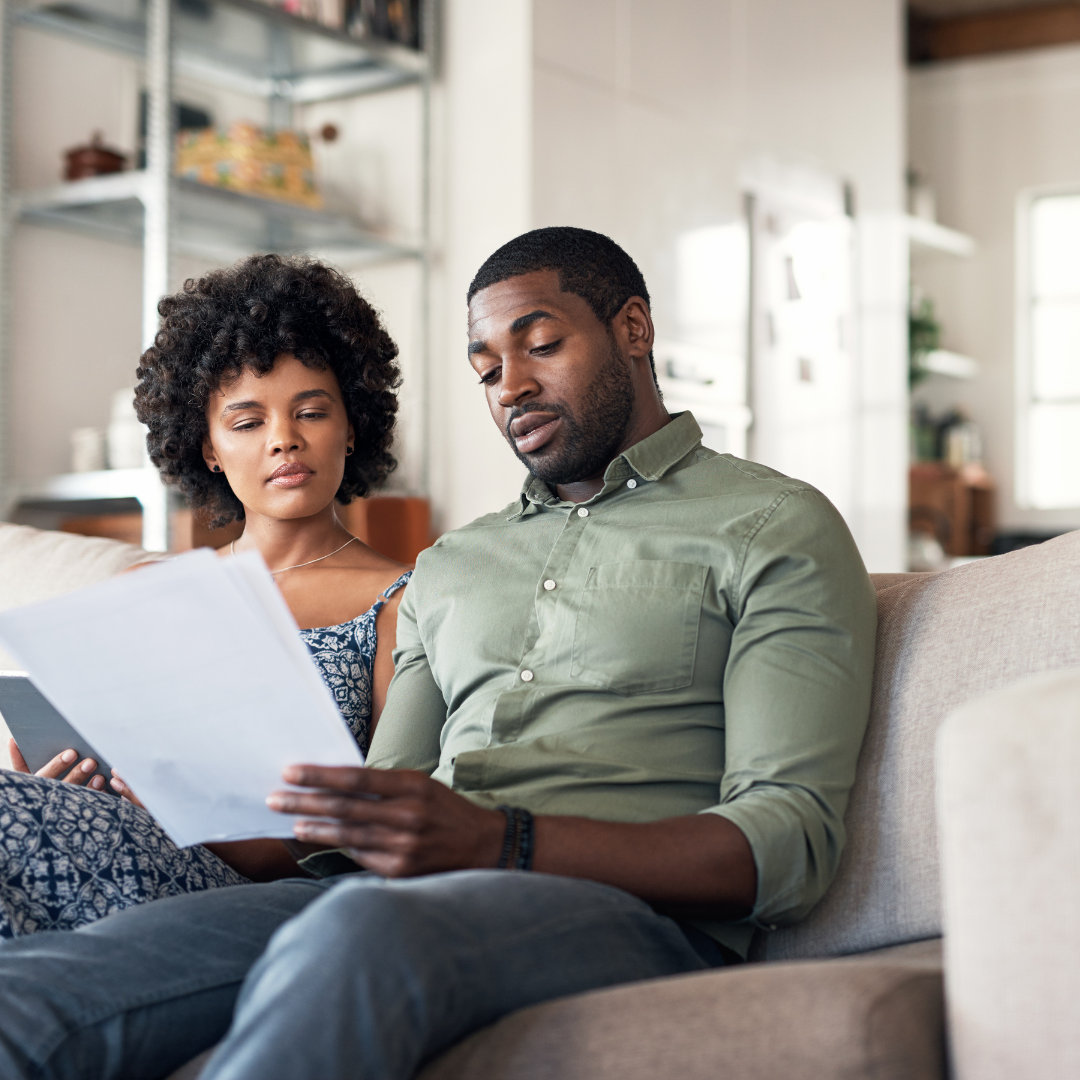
(95, 159)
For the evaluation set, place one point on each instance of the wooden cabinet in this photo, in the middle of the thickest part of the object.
(956, 505)
(397, 526)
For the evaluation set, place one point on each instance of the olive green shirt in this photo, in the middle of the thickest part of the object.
(696, 638)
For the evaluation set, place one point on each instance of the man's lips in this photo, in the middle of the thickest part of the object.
(290, 474)
(534, 430)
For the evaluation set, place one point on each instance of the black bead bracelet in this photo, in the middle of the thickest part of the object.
(517, 849)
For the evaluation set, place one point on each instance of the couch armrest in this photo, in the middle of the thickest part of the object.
(1009, 811)
(878, 1015)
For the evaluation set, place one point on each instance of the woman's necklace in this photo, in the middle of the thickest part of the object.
(232, 551)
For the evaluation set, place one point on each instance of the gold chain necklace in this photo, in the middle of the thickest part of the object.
(232, 551)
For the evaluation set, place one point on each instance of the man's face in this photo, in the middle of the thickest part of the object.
(556, 382)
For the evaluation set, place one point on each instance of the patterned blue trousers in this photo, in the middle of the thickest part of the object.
(70, 856)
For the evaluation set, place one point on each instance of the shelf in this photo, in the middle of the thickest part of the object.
(942, 362)
(930, 236)
(209, 222)
(240, 45)
(143, 485)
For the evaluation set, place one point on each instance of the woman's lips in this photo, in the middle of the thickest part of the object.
(537, 437)
(290, 475)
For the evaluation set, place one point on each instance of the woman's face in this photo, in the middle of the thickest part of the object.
(280, 438)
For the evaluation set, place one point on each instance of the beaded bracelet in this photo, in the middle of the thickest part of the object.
(517, 849)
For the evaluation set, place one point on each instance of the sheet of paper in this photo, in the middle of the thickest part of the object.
(191, 678)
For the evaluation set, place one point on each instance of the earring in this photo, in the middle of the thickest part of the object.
(348, 450)
(217, 468)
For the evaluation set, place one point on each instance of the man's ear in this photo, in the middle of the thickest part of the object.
(635, 322)
(209, 456)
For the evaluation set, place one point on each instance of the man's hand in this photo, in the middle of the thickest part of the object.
(402, 824)
(396, 822)
(60, 768)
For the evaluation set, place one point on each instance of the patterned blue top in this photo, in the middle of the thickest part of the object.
(345, 655)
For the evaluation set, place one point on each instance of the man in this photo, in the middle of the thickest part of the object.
(662, 653)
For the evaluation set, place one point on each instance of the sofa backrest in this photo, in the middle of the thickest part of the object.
(36, 564)
(942, 640)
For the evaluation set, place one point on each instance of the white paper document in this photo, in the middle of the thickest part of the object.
(191, 678)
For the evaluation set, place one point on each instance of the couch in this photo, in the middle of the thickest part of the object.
(856, 989)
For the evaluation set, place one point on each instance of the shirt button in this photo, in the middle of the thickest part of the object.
(549, 584)
(526, 676)
(583, 511)
(631, 483)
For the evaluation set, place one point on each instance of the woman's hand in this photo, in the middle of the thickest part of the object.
(124, 791)
(82, 774)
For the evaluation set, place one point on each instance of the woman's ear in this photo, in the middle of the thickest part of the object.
(209, 456)
(350, 441)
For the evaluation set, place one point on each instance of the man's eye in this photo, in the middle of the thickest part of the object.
(488, 377)
(551, 346)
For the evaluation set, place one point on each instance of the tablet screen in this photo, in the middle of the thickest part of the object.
(38, 729)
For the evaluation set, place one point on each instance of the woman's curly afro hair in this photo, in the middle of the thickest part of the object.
(243, 318)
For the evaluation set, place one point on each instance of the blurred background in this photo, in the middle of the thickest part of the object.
(859, 221)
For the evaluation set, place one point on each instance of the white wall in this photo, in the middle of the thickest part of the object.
(982, 130)
(630, 117)
(646, 116)
(483, 192)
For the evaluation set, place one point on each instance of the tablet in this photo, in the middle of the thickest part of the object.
(38, 729)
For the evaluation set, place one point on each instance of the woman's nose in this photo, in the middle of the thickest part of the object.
(283, 438)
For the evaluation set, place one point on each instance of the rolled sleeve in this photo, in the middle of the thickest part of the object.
(796, 698)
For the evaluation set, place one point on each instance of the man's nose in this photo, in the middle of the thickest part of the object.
(518, 384)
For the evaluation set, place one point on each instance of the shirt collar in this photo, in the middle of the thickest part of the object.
(650, 459)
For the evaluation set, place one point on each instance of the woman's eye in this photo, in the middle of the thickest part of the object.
(312, 415)
(246, 426)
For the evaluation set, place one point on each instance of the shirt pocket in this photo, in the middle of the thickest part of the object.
(637, 628)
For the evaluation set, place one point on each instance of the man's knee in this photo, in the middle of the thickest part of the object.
(356, 917)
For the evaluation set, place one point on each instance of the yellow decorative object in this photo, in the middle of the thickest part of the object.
(269, 163)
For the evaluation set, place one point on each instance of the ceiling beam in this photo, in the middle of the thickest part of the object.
(980, 34)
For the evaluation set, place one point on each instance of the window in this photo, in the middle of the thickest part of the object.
(1048, 323)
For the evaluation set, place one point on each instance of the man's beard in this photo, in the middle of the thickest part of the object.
(587, 446)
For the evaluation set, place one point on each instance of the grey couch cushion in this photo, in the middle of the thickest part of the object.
(877, 1017)
(36, 564)
(943, 639)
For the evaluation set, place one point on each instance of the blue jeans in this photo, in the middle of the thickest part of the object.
(353, 978)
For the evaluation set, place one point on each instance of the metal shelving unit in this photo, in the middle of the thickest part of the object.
(210, 222)
(240, 45)
(926, 235)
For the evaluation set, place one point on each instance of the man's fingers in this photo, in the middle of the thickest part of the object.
(397, 814)
(386, 783)
(362, 837)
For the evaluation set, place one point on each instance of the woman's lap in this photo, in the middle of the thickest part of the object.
(69, 856)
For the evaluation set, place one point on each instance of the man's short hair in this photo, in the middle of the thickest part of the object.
(589, 265)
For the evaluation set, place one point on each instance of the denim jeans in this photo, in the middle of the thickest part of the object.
(353, 978)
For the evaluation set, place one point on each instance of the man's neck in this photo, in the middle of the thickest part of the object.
(583, 490)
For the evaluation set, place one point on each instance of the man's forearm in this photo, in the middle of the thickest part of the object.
(414, 825)
(698, 862)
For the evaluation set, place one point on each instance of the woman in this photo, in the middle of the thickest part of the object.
(269, 397)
